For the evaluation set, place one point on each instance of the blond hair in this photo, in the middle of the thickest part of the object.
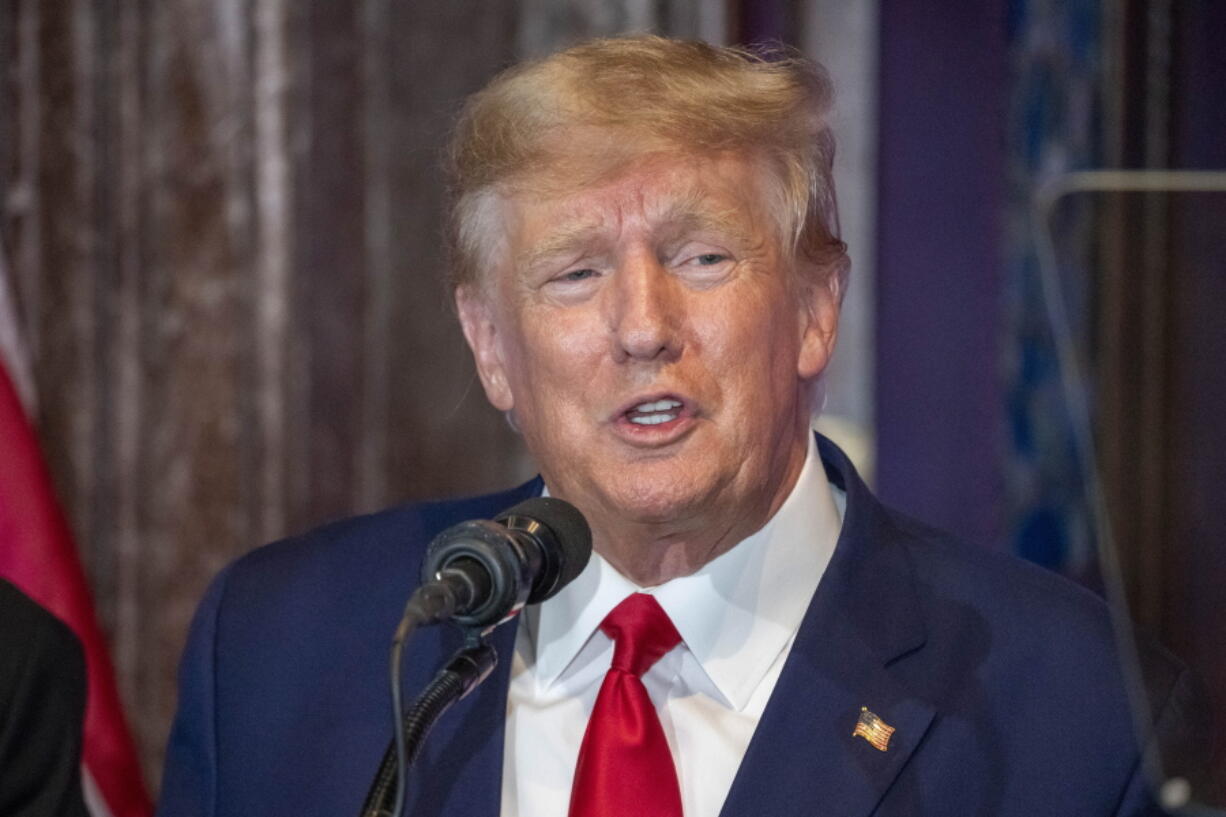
(589, 110)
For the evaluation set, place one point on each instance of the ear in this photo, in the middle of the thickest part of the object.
(819, 326)
(481, 332)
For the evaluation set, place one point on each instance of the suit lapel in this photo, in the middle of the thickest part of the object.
(864, 618)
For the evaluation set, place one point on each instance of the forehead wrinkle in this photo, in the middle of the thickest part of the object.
(677, 212)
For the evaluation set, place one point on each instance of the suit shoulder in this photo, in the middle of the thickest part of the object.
(339, 559)
(1024, 599)
(960, 579)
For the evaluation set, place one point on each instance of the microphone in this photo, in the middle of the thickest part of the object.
(480, 573)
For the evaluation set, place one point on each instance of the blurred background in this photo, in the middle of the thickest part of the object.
(220, 237)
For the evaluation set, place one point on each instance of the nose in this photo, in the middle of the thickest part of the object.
(644, 311)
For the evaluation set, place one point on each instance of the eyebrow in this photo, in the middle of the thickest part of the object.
(689, 213)
(693, 213)
(566, 240)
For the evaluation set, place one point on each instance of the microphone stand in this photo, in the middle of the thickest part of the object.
(469, 666)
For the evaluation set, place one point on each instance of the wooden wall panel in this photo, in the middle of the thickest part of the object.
(193, 317)
(63, 318)
(278, 66)
(327, 278)
(120, 584)
(445, 435)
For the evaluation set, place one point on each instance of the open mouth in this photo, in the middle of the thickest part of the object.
(655, 412)
(655, 419)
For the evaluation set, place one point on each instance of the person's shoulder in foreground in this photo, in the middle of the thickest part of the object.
(42, 706)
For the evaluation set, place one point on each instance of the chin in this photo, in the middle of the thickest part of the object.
(653, 501)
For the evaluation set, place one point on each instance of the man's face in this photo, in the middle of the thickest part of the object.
(649, 339)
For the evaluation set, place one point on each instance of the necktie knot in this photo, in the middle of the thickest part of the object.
(641, 631)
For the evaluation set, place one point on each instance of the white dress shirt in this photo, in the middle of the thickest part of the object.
(737, 617)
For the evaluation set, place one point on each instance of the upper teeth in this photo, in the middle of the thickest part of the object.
(650, 414)
(659, 405)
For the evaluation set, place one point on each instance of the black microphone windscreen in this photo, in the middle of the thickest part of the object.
(568, 526)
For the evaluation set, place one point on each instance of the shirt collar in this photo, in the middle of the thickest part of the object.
(736, 614)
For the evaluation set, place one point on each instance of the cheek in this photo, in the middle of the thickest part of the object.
(757, 336)
(555, 360)
(775, 368)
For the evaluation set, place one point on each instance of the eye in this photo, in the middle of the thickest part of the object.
(704, 261)
(577, 275)
(573, 285)
(703, 264)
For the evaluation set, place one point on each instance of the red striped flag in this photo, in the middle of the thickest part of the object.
(38, 555)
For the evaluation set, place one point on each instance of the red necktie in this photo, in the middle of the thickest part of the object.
(624, 763)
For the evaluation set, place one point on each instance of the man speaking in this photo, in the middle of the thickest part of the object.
(648, 272)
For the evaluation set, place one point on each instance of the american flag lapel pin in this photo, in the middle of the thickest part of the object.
(873, 729)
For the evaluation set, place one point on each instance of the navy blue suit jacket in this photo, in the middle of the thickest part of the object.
(999, 678)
